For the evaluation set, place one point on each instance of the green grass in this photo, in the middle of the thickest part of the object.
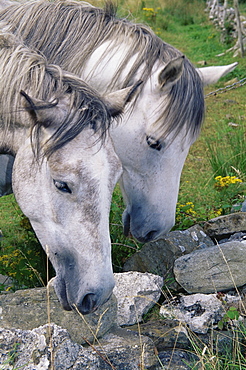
(231, 161)
(214, 357)
(21, 256)
(122, 247)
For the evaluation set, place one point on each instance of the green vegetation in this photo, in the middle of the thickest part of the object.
(230, 357)
(11, 359)
(21, 256)
(231, 314)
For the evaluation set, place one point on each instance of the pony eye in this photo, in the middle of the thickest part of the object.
(62, 186)
(152, 143)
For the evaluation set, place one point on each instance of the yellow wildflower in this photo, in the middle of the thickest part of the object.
(151, 10)
(222, 182)
(187, 208)
(150, 13)
(215, 213)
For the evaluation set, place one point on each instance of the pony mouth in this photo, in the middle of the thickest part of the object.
(89, 303)
(142, 233)
(61, 292)
(64, 302)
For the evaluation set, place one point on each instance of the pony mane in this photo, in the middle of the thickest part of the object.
(77, 29)
(24, 69)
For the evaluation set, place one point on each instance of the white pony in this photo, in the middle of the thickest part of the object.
(65, 167)
(155, 134)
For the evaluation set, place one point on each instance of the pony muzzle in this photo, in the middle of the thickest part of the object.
(83, 302)
(145, 228)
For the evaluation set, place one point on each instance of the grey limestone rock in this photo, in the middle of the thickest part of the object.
(50, 346)
(158, 257)
(27, 309)
(222, 226)
(198, 311)
(136, 293)
(217, 268)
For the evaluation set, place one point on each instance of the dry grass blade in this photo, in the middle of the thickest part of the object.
(104, 357)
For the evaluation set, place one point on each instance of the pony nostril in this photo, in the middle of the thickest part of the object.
(88, 304)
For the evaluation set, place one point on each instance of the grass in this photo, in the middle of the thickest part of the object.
(231, 161)
(220, 150)
(211, 357)
(21, 256)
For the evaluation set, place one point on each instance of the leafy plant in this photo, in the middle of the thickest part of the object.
(231, 314)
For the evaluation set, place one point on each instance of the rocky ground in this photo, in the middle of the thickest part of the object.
(203, 267)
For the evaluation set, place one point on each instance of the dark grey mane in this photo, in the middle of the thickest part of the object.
(27, 70)
(77, 29)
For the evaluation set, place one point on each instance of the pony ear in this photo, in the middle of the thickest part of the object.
(50, 114)
(117, 100)
(210, 75)
(171, 73)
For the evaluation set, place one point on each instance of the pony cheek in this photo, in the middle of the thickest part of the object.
(25, 190)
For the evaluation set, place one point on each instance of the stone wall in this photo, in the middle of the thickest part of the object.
(195, 264)
(224, 18)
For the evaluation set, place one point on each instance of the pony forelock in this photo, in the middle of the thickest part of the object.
(22, 68)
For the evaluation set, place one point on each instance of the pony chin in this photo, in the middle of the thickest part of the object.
(146, 231)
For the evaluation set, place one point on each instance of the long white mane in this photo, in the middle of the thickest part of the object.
(77, 29)
(22, 68)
